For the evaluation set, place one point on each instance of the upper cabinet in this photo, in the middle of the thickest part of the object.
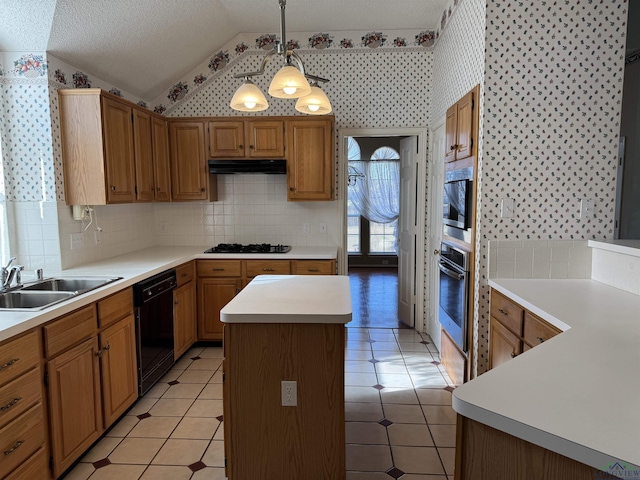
(310, 159)
(460, 128)
(188, 162)
(246, 138)
(161, 165)
(109, 149)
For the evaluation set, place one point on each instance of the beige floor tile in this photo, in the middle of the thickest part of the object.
(448, 456)
(443, 435)
(419, 358)
(412, 346)
(211, 391)
(157, 390)
(413, 476)
(363, 412)
(219, 433)
(395, 380)
(417, 460)
(428, 380)
(434, 396)
(143, 405)
(205, 408)
(171, 375)
(360, 379)
(217, 377)
(409, 435)
(119, 472)
(406, 396)
(171, 407)
(391, 367)
(163, 472)
(368, 476)
(196, 428)
(123, 427)
(209, 364)
(366, 433)
(391, 346)
(359, 366)
(179, 451)
(368, 458)
(214, 456)
(384, 356)
(361, 394)
(195, 376)
(154, 427)
(404, 413)
(136, 451)
(194, 352)
(183, 363)
(358, 345)
(212, 352)
(209, 473)
(358, 355)
(356, 334)
(102, 449)
(382, 336)
(439, 414)
(81, 471)
(184, 390)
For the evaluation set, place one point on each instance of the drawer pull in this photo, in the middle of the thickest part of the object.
(267, 269)
(218, 269)
(506, 314)
(9, 363)
(15, 447)
(540, 339)
(514, 354)
(313, 270)
(10, 404)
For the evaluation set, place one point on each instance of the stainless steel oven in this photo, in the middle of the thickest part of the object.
(454, 293)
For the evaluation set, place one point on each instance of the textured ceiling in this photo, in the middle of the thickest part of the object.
(142, 46)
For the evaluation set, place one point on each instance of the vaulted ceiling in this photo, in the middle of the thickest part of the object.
(142, 46)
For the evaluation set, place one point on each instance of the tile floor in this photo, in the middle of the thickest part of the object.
(399, 421)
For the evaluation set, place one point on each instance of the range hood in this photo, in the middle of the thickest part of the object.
(247, 166)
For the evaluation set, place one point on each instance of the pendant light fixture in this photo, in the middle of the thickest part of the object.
(289, 82)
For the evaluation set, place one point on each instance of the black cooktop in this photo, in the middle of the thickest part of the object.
(252, 248)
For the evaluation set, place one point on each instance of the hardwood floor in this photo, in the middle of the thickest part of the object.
(375, 298)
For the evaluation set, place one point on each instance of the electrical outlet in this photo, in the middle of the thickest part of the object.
(587, 208)
(162, 226)
(506, 208)
(306, 228)
(322, 227)
(97, 235)
(77, 241)
(289, 393)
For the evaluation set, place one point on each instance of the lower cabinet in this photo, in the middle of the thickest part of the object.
(184, 318)
(213, 294)
(504, 344)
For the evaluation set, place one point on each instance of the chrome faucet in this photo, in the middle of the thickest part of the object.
(9, 273)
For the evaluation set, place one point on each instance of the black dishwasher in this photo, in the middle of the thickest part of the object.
(153, 299)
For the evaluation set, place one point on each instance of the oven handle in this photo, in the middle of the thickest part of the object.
(450, 273)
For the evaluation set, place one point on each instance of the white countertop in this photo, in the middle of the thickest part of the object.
(291, 299)
(577, 394)
(134, 267)
(628, 247)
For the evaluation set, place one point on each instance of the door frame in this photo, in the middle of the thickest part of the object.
(421, 173)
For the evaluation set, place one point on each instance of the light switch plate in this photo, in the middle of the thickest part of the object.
(306, 228)
(77, 241)
(506, 208)
(587, 208)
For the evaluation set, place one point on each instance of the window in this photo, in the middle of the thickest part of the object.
(353, 214)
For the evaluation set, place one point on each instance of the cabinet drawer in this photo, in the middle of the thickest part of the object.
(508, 313)
(219, 268)
(18, 356)
(268, 267)
(185, 273)
(537, 330)
(20, 439)
(69, 330)
(314, 267)
(34, 467)
(115, 307)
(17, 396)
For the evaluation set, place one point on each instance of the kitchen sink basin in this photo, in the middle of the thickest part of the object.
(32, 300)
(70, 284)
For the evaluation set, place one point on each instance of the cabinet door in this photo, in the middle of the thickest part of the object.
(188, 162)
(161, 165)
(119, 369)
(265, 138)
(118, 150)
(143, 149)
(184, 318)
(310, 160)
(450, 133)
(503, 345)
(226, 139)
(75, 415)
(213, 294)
(464, 135)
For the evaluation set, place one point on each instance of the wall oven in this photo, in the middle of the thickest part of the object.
(454, 293)
(457, 203)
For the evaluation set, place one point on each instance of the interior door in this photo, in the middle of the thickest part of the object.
(436, 186)
(407, 231)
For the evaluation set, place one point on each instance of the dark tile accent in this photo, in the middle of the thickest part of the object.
(424, 342)
(395, 472)
(449, 389)
(220, 418)
(385, 423)
(194, 467)
(374, 361)
(101, 463)
(378, 387)
(142, 416)
(371, 341)
(195, 358)
(435, 363)
(173, 382)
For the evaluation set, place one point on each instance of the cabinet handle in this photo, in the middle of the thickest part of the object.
(240, 146)
(453, 147)
(237, 290)
(540, 339)
(113, 187)
(267, 269)
(514, 354)
(503, 312)
(176, 303)
(10, 404)
(202, 189)
(99, 353)
(291, 189)
(15, 447)
(107, 347)
(184, 275)
(9, 363)
(436, 252)
(218, 269)
(456, 146)
(313, 270)
(251, 147)
(157, 189)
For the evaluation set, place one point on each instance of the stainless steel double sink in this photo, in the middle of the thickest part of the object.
(44, 293)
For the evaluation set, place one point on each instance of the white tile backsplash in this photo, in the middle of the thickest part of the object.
(616, 269)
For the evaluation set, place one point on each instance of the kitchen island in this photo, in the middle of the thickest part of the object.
(284, 342)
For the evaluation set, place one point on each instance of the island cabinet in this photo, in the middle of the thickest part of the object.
(246, 138)
(310, 159)
(460, 127)
(184, 309)
(514, 330)
(113, 151)
(189, 173)
(22, 419)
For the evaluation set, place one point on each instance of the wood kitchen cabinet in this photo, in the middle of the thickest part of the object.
(184, 310)
(246, 138)
(189, 173)
(143, 154)
(460, 128)
(213, 294)
(310, 159)
(161, 163)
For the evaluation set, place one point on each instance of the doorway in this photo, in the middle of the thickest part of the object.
(384, 256)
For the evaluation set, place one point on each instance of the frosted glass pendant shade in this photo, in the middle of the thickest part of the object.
(249, 98)
(289, 82)
(316, 103)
